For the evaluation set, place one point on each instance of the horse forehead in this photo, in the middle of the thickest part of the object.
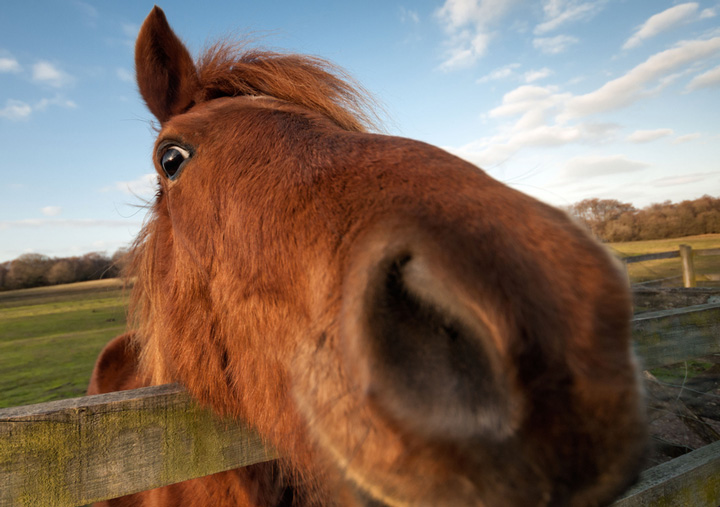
(204, 114)
(225, 106)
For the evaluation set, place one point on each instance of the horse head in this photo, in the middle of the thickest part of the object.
(404, 329)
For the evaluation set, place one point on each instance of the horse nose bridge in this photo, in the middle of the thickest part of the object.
(423, 349)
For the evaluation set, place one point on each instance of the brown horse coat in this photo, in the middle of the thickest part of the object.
(404, 329)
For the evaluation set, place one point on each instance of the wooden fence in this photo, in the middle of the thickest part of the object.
(686, 254)
(73, 452)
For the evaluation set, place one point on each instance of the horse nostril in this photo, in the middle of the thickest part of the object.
(432, 370)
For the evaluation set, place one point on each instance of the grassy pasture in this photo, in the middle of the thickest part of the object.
(51, 336)
(666, 268)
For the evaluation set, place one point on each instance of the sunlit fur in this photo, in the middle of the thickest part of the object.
(404, 329)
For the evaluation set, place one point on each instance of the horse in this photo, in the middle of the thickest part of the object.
(402, 328)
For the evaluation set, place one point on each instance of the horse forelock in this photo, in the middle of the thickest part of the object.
(230, 69)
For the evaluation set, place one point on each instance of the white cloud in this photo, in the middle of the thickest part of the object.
(537, 108)
(19, 110)
(144, 186)
(65, 222)
(47, 73)
(685, 179)
(561, 12)
(708, 13)
(125, 75)
(465, 50)
(131, 30)
(469, 24)
(535, 75)
(554, 45)
(9, 64)
(687, 138)
(526, 99)
(492, 151)
(15, 110)
(409, 15)
(57, 101)
(592, 166)
(501, 73)
(508, 71)
(51, 211)
(624, 90)
(661, 22)
(90, 12)
(706, 80)
(130, 33)
(646, 136)
(545, 116)
(459, 13)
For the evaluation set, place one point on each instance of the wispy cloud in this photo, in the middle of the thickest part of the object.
(15, 110)
(705, 80)
(491, 151)
(130, 30)
(554, 45)
(545, 116)
(9, 64)
(661, 22)
(409, 16)
(56, 101)
(562, 12)
(710, 12)
(535, 75)
(65, 222)
(47, 73)
(626, 89)
(685, 179)
(646, 136)
(143, 186)
(51, 211)
(594, 166)
(687, 138)
(125, 75)
(470, 27)
(529, 99)
(130, 33)
(89, 12)
(499, 73)
(18, 110)
(510, 72)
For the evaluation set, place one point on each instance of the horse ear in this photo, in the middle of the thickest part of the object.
(166, 74)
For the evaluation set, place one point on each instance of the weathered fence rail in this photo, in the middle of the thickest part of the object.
(73, 452)
(652, 257)
(77, 451)
(686, 254)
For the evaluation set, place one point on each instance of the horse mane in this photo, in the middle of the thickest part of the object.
(228, 69)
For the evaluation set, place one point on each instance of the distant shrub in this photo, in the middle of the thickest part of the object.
(36, 270)
(613, 221)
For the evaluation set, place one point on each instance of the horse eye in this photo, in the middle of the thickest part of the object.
(172, 161)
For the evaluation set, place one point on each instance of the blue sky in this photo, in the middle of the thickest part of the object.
(561, 99)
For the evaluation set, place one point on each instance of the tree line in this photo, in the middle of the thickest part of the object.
(36, 270)
(612, 221)
(608, 219)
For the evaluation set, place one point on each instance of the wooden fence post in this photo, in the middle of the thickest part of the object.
(686, 254)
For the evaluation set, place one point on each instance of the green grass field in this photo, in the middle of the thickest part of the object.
(51, 336)
(666, 268)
